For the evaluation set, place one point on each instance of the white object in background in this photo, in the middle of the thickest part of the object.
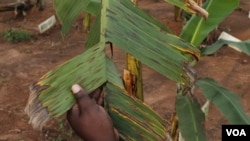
(249, 14)
(47, 24)
(180, 137)
(205, 108)
(226, 36)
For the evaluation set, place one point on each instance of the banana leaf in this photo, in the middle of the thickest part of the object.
(133, 119)
(191, 118)
(242, 46)
(134, 116)
(68, 10)
(124, 26)
(227, 102)
(53, 89)
(93, 35)
(197, 28)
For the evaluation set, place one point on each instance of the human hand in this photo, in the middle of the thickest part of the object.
(90, 120)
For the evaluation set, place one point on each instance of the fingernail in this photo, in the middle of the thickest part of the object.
(76, 88)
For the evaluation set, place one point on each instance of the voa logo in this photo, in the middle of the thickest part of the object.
(236, 132)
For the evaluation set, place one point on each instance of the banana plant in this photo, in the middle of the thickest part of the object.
(128, 27)
(152, 43)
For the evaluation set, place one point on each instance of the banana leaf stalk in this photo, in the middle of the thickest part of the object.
(86, 22)
(135, 73)
(174, 127)
(134, 68)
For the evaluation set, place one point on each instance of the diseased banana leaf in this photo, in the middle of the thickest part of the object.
(53, 89)
(191, 118)
(124, 26)
(242, 46)
(197, 28)
(138, 115)
(134, 120)
(227, 102)
(121, 23)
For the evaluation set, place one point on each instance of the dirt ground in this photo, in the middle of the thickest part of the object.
(25, 62)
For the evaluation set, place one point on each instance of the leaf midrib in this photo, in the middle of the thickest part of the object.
(199, 24)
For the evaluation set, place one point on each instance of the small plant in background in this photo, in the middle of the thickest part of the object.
(15, 36)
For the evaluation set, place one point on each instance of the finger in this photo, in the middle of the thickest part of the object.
(78, 91)
(73, 113)
(96, 94)
(82, 99)
(100, 100)
(116, 134)
(74, 110)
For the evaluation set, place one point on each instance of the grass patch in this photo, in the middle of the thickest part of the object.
(15, 36)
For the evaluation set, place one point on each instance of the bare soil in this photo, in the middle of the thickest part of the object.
(25, 62)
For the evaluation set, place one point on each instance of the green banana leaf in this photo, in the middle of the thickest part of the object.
(129, 111)
(132, 21)
(191, 118)
(124, 26)
(197, 28)
(88, 69)
(95, 30)
(131, 117)
(71, 9)
(68, 10)
(93, 69)
(227, 102)
(242, 46)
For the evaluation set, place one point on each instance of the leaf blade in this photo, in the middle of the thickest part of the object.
(191, 118)
(227, 102)
(242, 46)
(133, 119)
(197, 28)
(68, 10)
(140, 37)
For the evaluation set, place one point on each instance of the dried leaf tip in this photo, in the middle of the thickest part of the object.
(36, 112)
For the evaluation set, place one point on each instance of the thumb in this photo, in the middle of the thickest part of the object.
(82, 99)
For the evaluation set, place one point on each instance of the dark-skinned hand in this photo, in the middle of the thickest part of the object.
(89, 119)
